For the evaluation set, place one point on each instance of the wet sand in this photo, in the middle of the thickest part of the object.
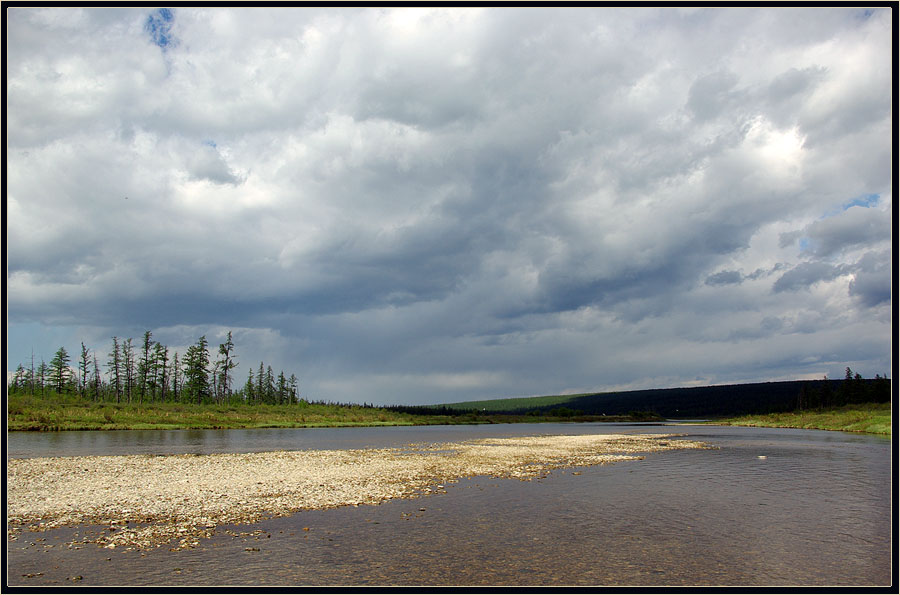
(148, 501)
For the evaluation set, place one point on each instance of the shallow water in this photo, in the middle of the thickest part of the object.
(119, 442)
(815, 511)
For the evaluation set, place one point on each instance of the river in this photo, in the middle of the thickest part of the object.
(767, 507)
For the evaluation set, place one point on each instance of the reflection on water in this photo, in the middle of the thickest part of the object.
(815, 511)
(119, 442)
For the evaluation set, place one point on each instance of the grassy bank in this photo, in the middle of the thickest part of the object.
(68, 412)
(30, 413)
(869, 418)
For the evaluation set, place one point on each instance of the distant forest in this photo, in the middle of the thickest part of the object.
(695, 402)
(741, 399)
(149, 374)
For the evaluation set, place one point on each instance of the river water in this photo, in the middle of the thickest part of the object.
(767, 507)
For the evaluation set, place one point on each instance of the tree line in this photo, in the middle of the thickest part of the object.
(852, 389)
(146, 373)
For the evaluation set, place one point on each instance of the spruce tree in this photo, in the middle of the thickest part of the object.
(144, 367)
(282, 388)
(270, 385)
(59, 370)
(85, 357)
(114, 365)
(196, 373)
(42, 375)
(160, 371)
(260, 384)
(249, 388)
(97, 382)
(226, 364)
(176, 377)
(128, 361)
(295, 392)
(20, 379)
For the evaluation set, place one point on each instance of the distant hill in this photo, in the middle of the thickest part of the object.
(706, 401)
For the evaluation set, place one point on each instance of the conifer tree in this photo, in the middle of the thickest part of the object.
(114, 365)
(176, 377)
(128, 361)
(294, 390)
(214, 378)
(270, 385)
(59, 370)
(97, 381)
(85, 357)
(144, 367)
(249, 388)
(226, 364)
(20, 379)
(196, 374)
(42, 374)
(153, 376)
(261, 384)
(282, 388)
(160, 370)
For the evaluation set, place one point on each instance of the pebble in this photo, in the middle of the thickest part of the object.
(150, 500)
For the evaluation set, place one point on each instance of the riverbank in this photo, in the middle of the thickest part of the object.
(25, 413)
(147, 501)
(869, 418)
(62, 413)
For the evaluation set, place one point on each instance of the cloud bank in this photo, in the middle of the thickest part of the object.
(420, 205)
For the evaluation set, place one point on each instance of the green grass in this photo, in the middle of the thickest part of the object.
(71, 413)
(869, 418)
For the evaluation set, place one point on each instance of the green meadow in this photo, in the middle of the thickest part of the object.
(869, 418)
(55, 412)
(68, 412)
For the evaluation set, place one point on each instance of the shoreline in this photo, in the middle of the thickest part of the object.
(482, 421)
(152, 500)
(861, 418)
(71, 413)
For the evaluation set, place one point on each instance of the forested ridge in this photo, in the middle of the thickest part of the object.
(148, 373)
(702, 401)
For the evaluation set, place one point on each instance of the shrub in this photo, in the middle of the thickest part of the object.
(643, 415)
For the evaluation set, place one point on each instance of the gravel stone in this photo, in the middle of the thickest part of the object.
(151, 500)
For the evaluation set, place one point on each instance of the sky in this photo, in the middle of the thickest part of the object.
(431, 205)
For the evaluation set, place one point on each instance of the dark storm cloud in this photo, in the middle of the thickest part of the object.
(872, 281)
(855, 227)
(807, 273)
(725, 278)
(759, 273)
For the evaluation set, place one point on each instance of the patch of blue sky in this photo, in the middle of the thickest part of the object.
(210, 143)
(44, 340)
(864, 200)
(159, 26)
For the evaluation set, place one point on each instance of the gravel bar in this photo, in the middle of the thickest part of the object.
(151, 500)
